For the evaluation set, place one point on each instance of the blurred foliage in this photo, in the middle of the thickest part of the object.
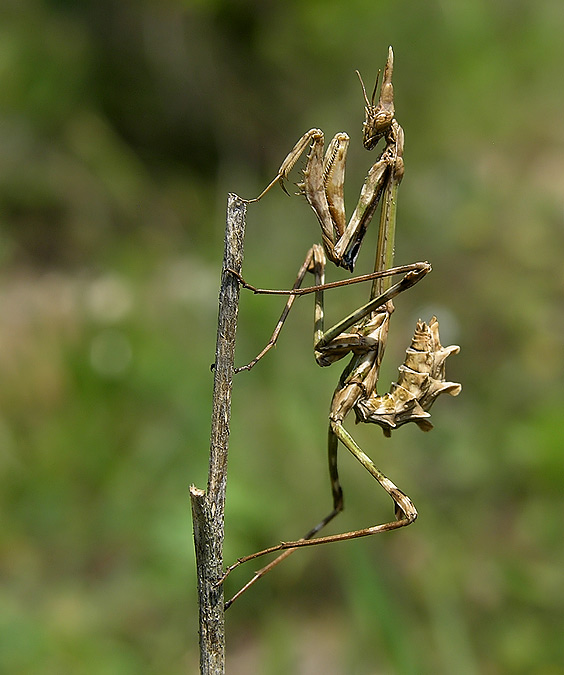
(123, 127)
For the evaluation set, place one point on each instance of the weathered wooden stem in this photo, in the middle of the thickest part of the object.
(208, 506)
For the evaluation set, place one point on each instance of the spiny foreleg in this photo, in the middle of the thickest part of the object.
(313, 136)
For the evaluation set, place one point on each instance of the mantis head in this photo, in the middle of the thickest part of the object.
(379, 117)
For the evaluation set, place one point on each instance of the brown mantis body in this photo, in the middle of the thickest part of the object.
(363, 334)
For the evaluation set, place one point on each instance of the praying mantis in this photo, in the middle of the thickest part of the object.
(362, 334)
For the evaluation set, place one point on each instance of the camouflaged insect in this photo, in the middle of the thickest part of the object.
(363, 334)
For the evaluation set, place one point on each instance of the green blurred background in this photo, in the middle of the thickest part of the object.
(123, 127)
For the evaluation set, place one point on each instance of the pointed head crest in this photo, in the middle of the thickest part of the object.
(378, 117)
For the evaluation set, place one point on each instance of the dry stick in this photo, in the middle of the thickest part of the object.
(208, 507)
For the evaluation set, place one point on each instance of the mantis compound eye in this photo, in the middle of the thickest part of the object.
(383, 119)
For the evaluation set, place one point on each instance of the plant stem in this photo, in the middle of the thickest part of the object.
(208, 506)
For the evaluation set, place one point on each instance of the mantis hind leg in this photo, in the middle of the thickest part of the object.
(286, 548)
(405, 511)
